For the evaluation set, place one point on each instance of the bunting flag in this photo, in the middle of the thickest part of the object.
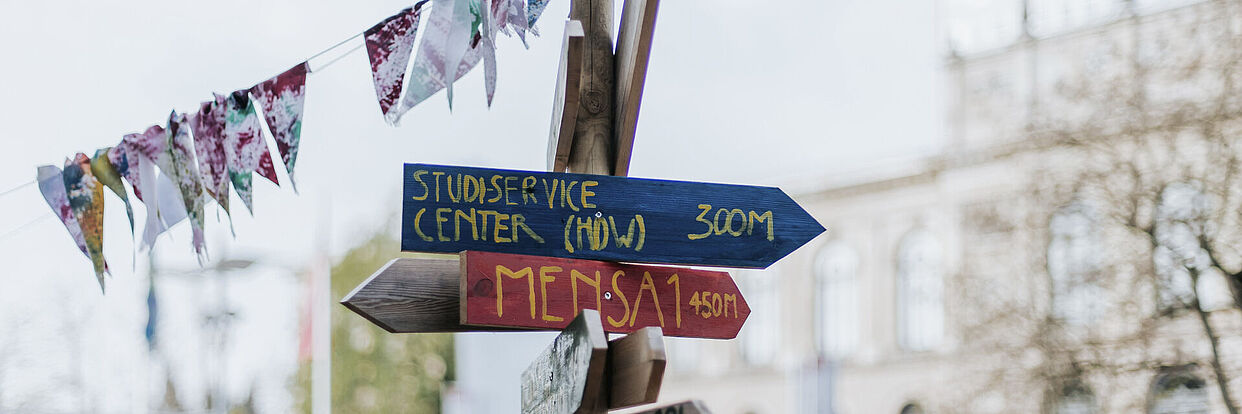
(282, 98)
(490, 22)
(106, 173)
(534, 8)
(389, 44)
(244, 149)
(208, 127)
(428, 74)
(510, 15)
(134, 151)
(52, 185)
(85, 195)
(180, 167)
(173, 168)
(135, 160)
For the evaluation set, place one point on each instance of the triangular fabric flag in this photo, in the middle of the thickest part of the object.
(172, 209)
(534, 8)
(389, 44)
(135, 159)
(465, 18)
(208, 127)
(128, 156)
(245, 152)
(428, 75)
(181, 168)
(511, 15)
(106, 173)
(485, 42)
(85, 195)
(52, 185)
(282, 98)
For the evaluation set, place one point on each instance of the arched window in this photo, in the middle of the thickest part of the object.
(1075, 398)
(836, 271)
(1074, 264)
(911, 408)
(1182, 265)
(760, 335)
(920, 292)
(1179, 393)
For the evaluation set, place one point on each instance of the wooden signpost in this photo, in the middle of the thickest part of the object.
(568, 376)
(450, 209)
(539, 250)
(506, 290)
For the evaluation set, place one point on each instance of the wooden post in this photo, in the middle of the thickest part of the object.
(592, 151)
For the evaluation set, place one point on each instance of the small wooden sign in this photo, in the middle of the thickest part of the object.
(684, 407)
(508, 290)
(568, 376)
(450, 209)
(636, 368)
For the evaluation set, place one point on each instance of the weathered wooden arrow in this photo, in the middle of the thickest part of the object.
(450, 209)
(443, 295)
(518, 291)
(684, 407)
(569, 375)
(412, 295)
(635, 368)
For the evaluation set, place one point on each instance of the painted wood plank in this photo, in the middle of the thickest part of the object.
(636, 368)
(568, 376)
(413, 295)
(449, 209)
(638, 19)
(565, 108)
(518, 291)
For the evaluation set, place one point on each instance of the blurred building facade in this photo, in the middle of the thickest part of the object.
(901, 308)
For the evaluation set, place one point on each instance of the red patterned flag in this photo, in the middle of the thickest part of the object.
(245, 152)
(85, 194)
(130, 154)
(208, 127)
(282, 98)
(389, 44)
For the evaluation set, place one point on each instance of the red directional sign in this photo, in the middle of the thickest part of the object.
(509, 290)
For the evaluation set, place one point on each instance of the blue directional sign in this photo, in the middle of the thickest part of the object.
(450, 209)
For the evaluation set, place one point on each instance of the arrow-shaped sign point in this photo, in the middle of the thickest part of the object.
(412, 295)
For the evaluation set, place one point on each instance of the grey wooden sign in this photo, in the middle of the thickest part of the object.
(567, 377)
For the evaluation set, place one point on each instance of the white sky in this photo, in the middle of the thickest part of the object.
(742, 92)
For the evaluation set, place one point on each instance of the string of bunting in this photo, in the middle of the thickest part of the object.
(176, 167)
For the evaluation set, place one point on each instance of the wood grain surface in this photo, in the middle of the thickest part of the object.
(638, 18)
(449, 209)
(565, 106)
